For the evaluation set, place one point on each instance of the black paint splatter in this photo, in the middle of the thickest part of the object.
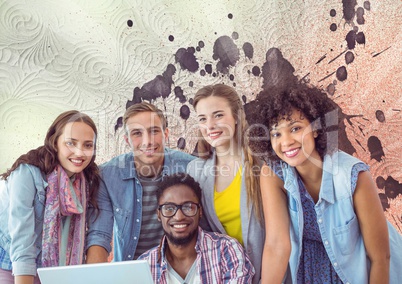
(181, 143)
(178, 91)
(367, 5)
(130, 23)
(349, 57)
(185, 112)
(230, 16)
(202, 72)
(235, 35)
(349, 9)
(171, 38)
(341, 73)
(118, 124)
(380, 116)
(256, 71)
(360, 16)
(333, 27)
(384, 201)
(201, 44)
(158, 87)
(351, 39)
(380, 181)
(332, 13)
(187, 59)
(360, 38)
(375, 148)
(226, 52)
(391, 186)
(277, 72)
(344, 143)
(321, 58)
(244, 99)
(191, 83)
(208, 68)
(331, 89)
(248, 50)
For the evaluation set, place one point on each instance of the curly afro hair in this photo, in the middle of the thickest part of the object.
(274, 105)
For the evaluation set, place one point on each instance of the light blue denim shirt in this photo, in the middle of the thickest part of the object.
(338, 224)
(120, 203)
(22, 204)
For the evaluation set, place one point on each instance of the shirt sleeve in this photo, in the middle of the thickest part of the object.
(100, 222)
(236, 265)
(277, 168)
(357, 168)
(21, 222)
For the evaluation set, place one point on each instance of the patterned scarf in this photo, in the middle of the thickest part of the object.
(59, 202)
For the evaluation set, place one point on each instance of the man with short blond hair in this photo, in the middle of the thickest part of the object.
(126, 198)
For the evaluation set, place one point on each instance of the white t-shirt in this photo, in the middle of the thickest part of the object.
(192, 277)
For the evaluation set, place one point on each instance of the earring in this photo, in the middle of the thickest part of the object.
(315, 135)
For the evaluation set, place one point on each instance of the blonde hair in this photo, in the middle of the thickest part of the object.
(204, 149)
(143, 107)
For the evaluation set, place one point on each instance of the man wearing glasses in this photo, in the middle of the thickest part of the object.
(188, 254)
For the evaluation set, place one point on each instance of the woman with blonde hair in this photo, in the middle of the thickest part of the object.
(224, 168)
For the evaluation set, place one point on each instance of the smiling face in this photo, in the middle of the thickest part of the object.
(179, 229)
(75, 147)
(146, 138)
(293, 140)
(216, 122)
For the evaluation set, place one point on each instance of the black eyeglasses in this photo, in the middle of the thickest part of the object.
(189, 209)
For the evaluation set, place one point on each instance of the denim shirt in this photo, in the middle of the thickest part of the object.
(120, 203)
(22, 204)
(338, 224)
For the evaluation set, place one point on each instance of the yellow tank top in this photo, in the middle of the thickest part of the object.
(227, 207)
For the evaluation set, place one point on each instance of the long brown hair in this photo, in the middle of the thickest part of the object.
(205, 149)
(45, 157)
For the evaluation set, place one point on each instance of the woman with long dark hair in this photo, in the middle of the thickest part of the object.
(323, 218)
(44, 203)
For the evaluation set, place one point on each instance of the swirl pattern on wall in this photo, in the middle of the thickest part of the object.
(101, 56)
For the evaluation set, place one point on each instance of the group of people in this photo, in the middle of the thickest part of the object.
(269, 199)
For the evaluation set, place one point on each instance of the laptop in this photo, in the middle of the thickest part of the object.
(124, 272)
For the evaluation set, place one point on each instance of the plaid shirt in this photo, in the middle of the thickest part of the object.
(220, 258)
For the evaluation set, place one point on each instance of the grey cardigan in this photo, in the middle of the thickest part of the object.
(253, 233)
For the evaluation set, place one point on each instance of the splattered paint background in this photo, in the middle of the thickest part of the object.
(101, 56)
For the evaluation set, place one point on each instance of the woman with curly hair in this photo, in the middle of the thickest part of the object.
(323, 217)
(44, 203)
(223, 170)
